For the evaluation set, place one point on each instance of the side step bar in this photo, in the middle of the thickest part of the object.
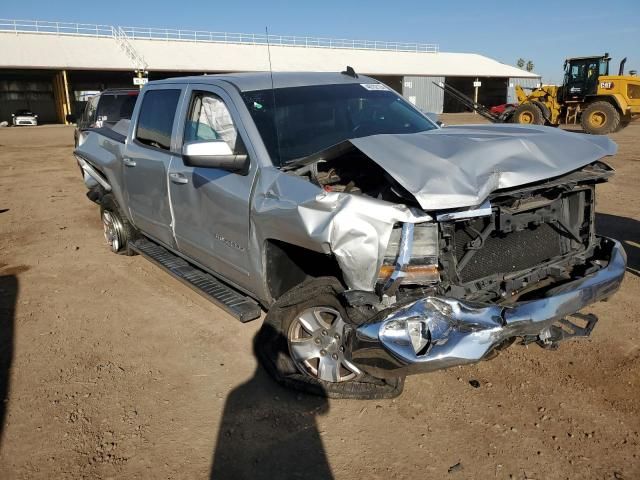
(233, 302)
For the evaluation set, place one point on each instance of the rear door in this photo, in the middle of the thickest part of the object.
(211, 205)
(147, 160)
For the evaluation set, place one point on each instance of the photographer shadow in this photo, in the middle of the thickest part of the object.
(269, 432)
(8, 298)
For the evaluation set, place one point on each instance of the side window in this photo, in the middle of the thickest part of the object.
(90, 110)
(155, 120)
(209, 119)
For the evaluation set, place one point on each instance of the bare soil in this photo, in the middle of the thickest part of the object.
(111, 369)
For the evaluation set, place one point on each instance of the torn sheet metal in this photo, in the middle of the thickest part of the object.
(455, 332)
(355, 229)
(458, 167)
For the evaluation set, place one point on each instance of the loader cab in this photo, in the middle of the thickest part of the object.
(581, 76)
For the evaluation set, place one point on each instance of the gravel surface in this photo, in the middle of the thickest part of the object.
(115, 370)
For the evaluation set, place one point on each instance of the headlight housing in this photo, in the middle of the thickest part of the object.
(422, 266)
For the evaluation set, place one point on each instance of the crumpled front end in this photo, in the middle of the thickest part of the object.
(437, 332)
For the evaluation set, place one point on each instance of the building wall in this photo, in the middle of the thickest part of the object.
(423, 93)
(523, 82)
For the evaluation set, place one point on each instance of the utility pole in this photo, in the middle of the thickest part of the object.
(476, 85)
(141, 78)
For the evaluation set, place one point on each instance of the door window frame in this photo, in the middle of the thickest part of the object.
(173, 149)
(233, 111)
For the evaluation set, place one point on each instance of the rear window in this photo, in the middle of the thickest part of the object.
(155, 121)
(115, 107)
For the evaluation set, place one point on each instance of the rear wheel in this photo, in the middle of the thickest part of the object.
(304, 344)
(118, 232)
(528, 114)
(600, 118)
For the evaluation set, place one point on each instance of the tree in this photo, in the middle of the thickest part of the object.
(520, 63)
(529, 66)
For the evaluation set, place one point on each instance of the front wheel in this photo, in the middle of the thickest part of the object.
(304, 344)
(528, 114)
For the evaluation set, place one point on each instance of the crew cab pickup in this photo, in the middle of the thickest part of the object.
(380, 244)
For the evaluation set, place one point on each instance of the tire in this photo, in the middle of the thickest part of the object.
(624, 123)
(600, 118)
(528, 114)
(316, 303)
(118, 232)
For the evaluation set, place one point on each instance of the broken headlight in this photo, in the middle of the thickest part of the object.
(422, 265)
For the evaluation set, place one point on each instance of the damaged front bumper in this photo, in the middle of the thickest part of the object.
(438, 332)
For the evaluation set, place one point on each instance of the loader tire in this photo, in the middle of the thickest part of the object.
(528, 114)
(277, 343)
(600, 118)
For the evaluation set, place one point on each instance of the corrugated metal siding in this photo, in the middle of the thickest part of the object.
(523, 82)
(423, 93)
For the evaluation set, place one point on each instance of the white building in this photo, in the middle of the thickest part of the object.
(45, 65)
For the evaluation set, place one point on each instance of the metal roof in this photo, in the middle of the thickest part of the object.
(74, 46)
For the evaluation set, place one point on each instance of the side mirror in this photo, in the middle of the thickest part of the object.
(71, 118)
(214, 154)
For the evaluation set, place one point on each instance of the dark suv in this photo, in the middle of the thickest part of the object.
(105, 110)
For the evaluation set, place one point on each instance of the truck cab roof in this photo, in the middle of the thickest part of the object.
(247, 82)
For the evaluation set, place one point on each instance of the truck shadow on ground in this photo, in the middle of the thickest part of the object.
(8, 298)
(627, 231)
(269, 432)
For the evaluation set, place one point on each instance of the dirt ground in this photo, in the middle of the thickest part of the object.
(112, 369)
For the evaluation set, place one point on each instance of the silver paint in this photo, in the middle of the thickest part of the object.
(454, 167)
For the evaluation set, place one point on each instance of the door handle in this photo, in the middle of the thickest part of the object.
(128, 162)
(178, 178)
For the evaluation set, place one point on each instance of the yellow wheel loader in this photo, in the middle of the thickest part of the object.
(602, 103)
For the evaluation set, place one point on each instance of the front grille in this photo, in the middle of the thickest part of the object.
(504, 253)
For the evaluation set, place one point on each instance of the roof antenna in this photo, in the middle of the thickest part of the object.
(273, 94)
(350, 71)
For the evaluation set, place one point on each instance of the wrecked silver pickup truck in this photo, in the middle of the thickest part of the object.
(380, 244)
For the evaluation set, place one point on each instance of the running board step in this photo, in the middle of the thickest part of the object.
(233, 302)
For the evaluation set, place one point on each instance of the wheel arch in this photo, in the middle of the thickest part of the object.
(546, 113)
(612, 99)
(287, 265)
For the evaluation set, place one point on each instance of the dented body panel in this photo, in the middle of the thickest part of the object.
(363, 203)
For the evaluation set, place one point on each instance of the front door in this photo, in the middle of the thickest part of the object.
(211, 205)
(146, 164)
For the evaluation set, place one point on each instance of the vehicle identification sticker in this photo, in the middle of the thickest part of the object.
(374, 86)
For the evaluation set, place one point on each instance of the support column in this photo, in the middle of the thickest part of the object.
(58, 97)
(476, 86)
(66, 97)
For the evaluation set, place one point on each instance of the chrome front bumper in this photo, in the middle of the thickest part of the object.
(437, 332)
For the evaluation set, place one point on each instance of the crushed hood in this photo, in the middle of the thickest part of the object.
(460, 166)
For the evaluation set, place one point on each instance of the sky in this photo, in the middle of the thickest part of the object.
(545, 32)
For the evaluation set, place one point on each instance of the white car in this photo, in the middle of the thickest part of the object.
(24, 117)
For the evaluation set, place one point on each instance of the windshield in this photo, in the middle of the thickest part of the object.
(310, 119)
